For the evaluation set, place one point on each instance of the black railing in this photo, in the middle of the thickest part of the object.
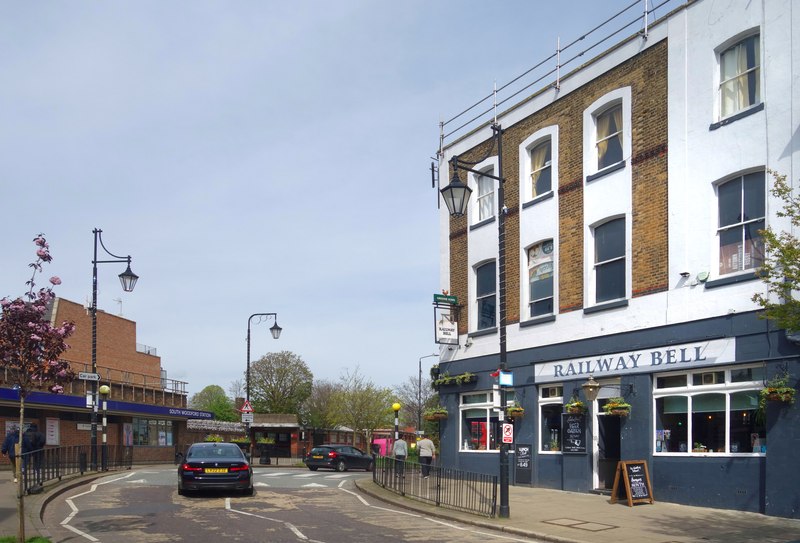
(45, 465)
(443, 487)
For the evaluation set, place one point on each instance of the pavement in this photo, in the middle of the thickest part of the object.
(535, 513)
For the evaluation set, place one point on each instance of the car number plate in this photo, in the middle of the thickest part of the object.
(317, 456)
(216, 470)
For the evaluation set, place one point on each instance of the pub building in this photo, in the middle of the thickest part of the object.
(634, 185)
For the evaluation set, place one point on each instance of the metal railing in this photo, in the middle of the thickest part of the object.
(443, 487)
(45, 465)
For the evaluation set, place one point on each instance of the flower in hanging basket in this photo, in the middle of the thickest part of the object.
(617, 406)
(575, 406)
(436, 413)
(777, 389)
(514, 410)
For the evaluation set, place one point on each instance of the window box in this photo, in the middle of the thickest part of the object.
(446, 379)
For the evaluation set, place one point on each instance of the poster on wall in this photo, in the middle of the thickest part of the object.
(127, 434)
(52, 432)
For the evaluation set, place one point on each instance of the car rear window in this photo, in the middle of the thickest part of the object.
(320, 450)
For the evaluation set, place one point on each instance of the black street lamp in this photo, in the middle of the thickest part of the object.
(128, 280)
(419, 392)
(275, 330)
(456, 196)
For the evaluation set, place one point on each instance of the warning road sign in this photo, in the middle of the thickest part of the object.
(508, 433)
(246, 408)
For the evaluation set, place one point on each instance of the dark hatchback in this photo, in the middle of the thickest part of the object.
(338, 457)
(215, 466)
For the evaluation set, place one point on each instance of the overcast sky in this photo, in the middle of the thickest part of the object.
(252, 157)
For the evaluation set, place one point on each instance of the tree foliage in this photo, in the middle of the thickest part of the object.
(279, 383)
(781, 268)
(414, 399)
(212, 398)
(362, 406)
(317, 411)
(30, 348)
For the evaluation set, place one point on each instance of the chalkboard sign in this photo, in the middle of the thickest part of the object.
(635, 482)
(524, 463)
(573, 433)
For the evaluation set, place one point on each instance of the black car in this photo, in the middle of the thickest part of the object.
(220, 466)
(338, 457)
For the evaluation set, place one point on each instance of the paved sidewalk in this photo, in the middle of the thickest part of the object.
(539, 514)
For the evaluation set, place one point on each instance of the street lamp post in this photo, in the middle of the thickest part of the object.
(128, 280)
(456, 196)
(419, 392)
(275, 330)
(104, 390)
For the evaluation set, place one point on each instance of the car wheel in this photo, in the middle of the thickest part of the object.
(248, 491)
(313, 468)
(370, 466)
(181, 492)
(341, 466)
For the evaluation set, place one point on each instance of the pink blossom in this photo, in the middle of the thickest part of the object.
(40, 241)
(55, 280)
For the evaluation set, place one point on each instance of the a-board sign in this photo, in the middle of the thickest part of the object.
(635, 482)
(573, 433)
(524, 463)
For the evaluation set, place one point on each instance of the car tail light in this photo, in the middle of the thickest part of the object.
(187, 467)
(332, 455)
(240, 468)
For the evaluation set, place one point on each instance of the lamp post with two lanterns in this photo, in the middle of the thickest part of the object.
(456, 197)
(128, 280)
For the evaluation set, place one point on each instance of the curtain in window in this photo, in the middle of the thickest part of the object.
(609, 137)
(539, 157)
(603, 126)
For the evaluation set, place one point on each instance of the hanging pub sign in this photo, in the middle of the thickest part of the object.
(445, 311)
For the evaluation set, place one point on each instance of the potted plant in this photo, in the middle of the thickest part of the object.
(575, 406)
(213, 438)
(777, 389)
(513, 409)
(554, 445)
(460, 379)
(435, 413)
(617, 407)
(435, 371)
(242, 441)
(699, 447)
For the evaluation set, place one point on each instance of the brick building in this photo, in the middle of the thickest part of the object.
(145, 410)
(634, 186)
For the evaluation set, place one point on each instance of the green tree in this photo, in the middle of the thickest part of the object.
(415, 399)
(781, 268)
(317, 411)
(279, 383)
(362, 406)
(213, 398)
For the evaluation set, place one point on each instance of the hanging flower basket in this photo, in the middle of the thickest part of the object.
(514, 410)
(575, 406)
(440, 413)
(617, 407)
(777, 390)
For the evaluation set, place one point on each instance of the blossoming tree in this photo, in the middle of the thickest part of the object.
(30, 347)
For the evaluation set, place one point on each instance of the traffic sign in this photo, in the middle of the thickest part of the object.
(247, 417)
(246, 408)
(85, 376)
(508, 433)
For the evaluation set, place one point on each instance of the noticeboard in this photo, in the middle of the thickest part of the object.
(635, 482)
(573, 433)
(523, 458)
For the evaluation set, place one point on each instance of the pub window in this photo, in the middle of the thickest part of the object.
(480, 424)
(551, 400)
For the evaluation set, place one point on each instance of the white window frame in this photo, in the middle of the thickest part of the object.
(526, 165)
(528, 282)
(595, 263)
(556, 400)
(691, 390)
(479, 183)
(618, 97)
(491, 413)
(730, 47)
(479, 298)
(741, 226)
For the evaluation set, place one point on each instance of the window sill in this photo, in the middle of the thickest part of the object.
(736, 116)
(607, 170)
(537, 320)
(484, 222)
(605, 307)
(486, 332)
(540, 198)
(731, 280)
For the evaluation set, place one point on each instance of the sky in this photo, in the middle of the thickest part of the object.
(251, 157)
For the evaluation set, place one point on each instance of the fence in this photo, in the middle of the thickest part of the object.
(444, 487)
(44, 465)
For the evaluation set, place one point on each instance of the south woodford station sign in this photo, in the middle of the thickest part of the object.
(668, 358)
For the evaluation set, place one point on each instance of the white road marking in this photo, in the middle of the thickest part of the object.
(75, 510)
(273, 474)
(260, 484)
(300, 535)
(314, 485)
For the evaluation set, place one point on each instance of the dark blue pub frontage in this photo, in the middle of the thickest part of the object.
(695, 414)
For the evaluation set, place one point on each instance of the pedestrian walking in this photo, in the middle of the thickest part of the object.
(36, 443)
(400, 450)
(10, 449)
(427, 452)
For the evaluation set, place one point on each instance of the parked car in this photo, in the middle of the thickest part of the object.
(221, 466)
(338, 457)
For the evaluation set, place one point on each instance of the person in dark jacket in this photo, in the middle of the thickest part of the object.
(9, 448)
(35, 443)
